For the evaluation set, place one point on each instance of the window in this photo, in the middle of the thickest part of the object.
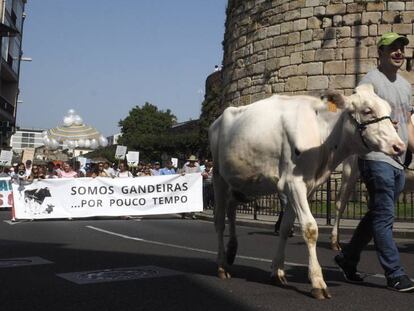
(9, 6)
(17, 14)
(14, 53)
(5, 48)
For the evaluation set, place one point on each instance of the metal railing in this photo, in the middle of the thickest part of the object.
(322, 203)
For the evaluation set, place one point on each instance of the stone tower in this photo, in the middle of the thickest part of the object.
(306, 46)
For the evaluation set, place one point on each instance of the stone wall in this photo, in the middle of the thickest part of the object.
(305, 46)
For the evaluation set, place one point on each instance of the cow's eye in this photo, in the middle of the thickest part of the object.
(367, 111)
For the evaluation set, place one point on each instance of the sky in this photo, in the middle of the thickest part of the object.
(105, 57)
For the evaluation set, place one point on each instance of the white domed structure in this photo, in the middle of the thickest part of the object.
(73, 134)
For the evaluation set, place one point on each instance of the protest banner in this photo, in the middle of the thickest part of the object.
(89, 197)
(6, 193)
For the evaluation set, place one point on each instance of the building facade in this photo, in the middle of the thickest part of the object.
(113, 139)
(26, 138)
(306, 46)
(11, 22)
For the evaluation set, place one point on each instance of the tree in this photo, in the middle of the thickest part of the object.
(108, 153)
(211, 109)
(145, 129)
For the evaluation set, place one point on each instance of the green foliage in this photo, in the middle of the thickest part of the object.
(210, 110)
(184, 144)
(146, 129)
(107, 153)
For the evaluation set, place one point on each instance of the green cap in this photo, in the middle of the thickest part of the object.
(389, 37)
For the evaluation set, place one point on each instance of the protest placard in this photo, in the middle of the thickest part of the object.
(6, 157)
(120, 152)
(132, 158)
(28, 154)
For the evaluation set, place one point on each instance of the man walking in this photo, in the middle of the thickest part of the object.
(383, 176)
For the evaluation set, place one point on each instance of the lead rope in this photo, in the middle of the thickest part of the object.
(402, 164)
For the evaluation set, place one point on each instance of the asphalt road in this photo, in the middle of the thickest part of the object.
(166, 263)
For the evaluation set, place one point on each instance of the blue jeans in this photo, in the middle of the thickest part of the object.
(384, 184)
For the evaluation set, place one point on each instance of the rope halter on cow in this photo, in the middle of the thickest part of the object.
(362, 126)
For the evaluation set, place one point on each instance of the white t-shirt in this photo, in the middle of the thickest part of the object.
(124, 174)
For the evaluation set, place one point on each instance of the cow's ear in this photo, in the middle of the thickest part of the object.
(365, 88)
(333, 97)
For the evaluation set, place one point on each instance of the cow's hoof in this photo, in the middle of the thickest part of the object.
(279, 278)
(320, 293)
(223, 274)
(231, 251)
(335, 246)
(279, 281)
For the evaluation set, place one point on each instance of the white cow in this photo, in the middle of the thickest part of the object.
(349, 177)
(290, 144)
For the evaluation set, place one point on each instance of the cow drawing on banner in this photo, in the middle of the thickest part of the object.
(34, 200)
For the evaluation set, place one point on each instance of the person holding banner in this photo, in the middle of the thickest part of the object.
(155, 171)
(67, 171)
(109, 170)
(35, 174)
(168, 169)
(191, 167)
(100, 171)
(21, 172)
(123, 171)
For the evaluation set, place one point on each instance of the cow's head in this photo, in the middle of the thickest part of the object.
(371, 116)
(45, 192)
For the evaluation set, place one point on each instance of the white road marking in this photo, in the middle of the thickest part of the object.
(10, 222)
(205, 251)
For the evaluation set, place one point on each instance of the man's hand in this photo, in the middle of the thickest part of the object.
(395, 124)
(410, 130)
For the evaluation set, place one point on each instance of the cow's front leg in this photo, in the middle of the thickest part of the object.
(298, 198)
(278, 263)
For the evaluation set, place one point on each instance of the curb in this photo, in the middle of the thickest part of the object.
(326, 229)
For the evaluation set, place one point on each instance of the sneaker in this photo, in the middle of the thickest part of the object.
(400, 284)
(350, 273)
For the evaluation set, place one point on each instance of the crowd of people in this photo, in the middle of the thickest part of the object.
(31, 171)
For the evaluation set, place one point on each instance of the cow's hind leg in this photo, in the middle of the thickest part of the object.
(298, 198)
(278, 271)
(350, 174)
(220, 195)
(232, 243)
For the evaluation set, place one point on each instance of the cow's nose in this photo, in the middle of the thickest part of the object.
(398, 148)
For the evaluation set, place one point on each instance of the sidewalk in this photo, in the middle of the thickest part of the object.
(403, 230)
